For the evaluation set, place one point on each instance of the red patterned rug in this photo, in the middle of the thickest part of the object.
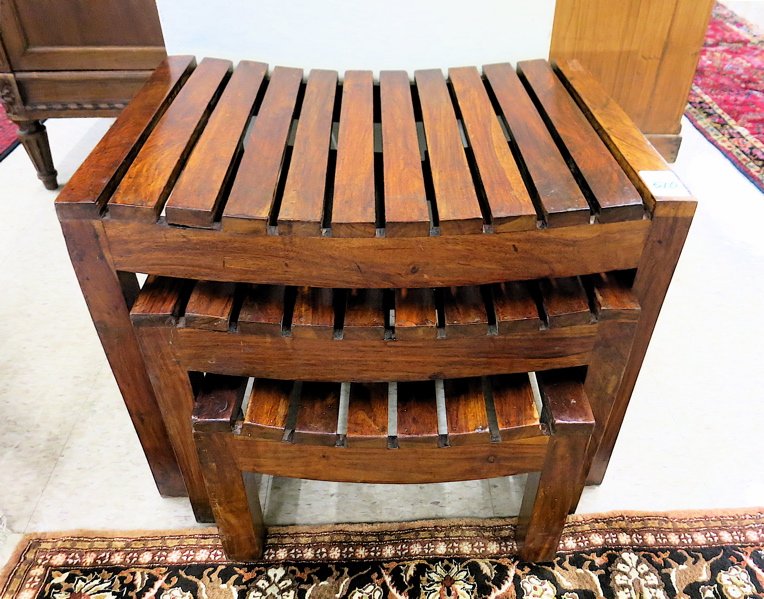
(8, 139)
(726, 102)
(715, 555)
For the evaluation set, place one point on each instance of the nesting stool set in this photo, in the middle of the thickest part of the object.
(384, 281)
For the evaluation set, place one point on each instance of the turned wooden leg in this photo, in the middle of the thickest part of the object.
(105, 297)
(34, 138)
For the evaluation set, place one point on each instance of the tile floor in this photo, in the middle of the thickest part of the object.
(69, 459)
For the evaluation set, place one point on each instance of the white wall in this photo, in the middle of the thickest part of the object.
(359, 34)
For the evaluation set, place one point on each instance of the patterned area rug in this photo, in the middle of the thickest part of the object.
(8, 139)
(619, 556)
(726, 102)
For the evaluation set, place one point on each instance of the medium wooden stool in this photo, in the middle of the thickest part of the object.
(240, 176)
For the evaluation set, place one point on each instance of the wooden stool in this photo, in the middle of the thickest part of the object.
(237, 176)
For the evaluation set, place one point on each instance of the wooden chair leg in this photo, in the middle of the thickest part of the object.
(233, 496)
(548, 497)
(549, 494)
(34, 138)
(232, 493)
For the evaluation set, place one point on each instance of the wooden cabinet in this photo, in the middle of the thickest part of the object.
(72, 58)
(644, 53)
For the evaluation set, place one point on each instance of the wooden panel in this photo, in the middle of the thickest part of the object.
(406, 262)
(565, 302)
(159, 301)
(318, 413)
(613, 298)
(516, 413)
(465, 314)
(614, 193)
(313, 316)
(511, 206)
(354, 204)
(458, 208)
(90, 186)
(516, 308)
(417, 414)
(364, 315)
(147, 183)
(367, 415)
(561, 199)
(406, 211)
(262, 312)
(77, 34)
(415, 315)
(359, 361)
(644, 52)
(267, 409)
(210, 305)
(414, 465)
(465, 412)
(197, 195)
(251, 198)
(303, 203)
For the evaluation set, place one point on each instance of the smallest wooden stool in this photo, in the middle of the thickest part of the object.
(298, 430)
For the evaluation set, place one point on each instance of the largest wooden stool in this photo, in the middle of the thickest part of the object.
(240, 176)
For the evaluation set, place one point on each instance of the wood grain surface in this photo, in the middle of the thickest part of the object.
(267, 410)
(367, 416)
(516, 413)
(210, 305)
(466, 412)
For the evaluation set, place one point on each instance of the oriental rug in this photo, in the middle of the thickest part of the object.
(8, 139)
(715, 555)
(726, 102)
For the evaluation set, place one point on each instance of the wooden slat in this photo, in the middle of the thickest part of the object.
(465, 313)
(613, 298)
(617, 198)
(364, 315)
(367, 415)
(465, 412)
(318, 413)
(510, 204)
(210, 305)
(302, 206)
(195, 199)
(141, 193)
(267, 409)
(516, 413)
(159, 302)
(354, 204)
(218, 404)
(515, 306)
(262, 312)
(417, 414)
(249, 203)
(566, 406)
(415, 315)
(560, 197)
(313, 316)
(90, 186)
(565, 302)
(406, 211)
(458, 207)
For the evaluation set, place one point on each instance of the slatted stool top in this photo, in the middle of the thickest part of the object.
(251, 152)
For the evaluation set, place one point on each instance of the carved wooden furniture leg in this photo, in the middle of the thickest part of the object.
(34, 138)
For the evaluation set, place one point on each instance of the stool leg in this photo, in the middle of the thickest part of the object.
(233, 496)
(548, 497)
(34, 138)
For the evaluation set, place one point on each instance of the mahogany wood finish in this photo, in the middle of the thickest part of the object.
(73, 58)
(461, 244)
